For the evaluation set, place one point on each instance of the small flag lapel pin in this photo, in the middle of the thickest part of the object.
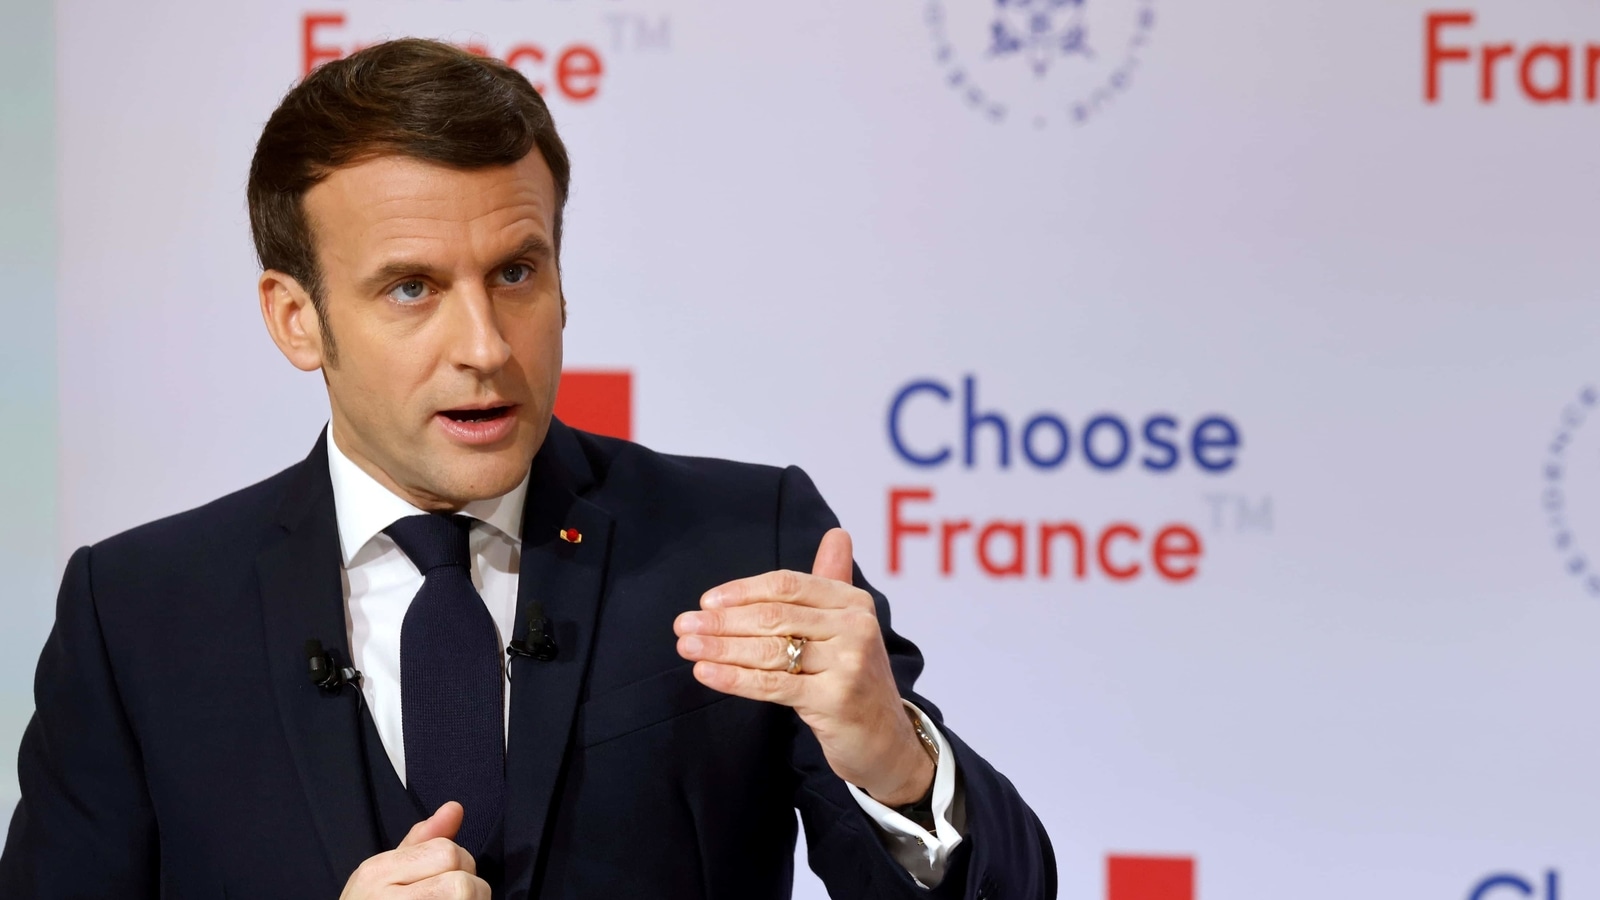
(571, 535)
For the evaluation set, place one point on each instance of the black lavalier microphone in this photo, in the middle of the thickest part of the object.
(540, 642)
(325, 672)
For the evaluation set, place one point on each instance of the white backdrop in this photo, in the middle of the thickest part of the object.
(1379, 680)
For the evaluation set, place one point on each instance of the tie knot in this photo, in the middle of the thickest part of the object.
(432, 540)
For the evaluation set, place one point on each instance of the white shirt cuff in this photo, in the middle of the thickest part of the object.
(925, 855)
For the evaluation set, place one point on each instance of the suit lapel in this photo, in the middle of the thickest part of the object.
(568, 579)
(302, 599)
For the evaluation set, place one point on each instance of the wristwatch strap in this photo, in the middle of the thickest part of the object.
(921, 812)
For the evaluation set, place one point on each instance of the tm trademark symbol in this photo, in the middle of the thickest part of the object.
(1238, 514)
(633, 33)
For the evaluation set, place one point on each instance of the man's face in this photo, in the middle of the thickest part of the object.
(441, 292)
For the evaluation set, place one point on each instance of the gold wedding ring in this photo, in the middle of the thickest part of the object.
(796, 645)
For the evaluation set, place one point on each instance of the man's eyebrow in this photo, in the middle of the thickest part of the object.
(392, 270)
(536, 247)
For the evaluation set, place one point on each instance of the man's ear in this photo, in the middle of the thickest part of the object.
(292, 320)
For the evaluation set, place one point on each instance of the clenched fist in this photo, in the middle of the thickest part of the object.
(428, 865)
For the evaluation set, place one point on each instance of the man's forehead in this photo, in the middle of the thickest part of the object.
(392, 198)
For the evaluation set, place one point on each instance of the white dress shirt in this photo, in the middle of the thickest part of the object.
(380, 582)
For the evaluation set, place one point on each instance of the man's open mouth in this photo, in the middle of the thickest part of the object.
(477, 415)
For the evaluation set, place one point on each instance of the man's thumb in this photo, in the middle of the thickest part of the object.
(833, 556)
(444, 822)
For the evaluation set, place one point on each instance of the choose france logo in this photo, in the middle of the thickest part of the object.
(1039, 62)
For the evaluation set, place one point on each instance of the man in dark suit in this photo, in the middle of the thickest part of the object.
(304, 687)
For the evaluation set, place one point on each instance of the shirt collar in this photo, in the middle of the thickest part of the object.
(364, 508)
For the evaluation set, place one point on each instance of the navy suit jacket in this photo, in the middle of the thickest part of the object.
(179, 749)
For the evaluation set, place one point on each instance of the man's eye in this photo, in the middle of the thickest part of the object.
(516, 273)
(409, 291)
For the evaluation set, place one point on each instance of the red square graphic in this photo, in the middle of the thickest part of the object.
(601, 402)
(1149, 878)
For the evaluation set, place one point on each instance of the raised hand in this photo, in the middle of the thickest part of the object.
(844, 690)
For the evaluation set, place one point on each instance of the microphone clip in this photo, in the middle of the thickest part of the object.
(539, 642)
(325, 672)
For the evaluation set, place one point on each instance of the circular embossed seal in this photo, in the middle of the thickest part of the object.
(1039, 62)
(1571, 494)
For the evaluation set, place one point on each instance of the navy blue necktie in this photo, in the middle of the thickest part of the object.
(451, 684)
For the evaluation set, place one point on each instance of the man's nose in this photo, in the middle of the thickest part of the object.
(475, 338)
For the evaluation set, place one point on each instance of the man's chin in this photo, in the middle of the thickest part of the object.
(462, 472)
(483, 475)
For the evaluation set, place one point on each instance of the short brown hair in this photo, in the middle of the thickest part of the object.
(410, 97)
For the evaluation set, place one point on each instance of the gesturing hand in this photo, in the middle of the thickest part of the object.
(428, 865)
(845, 691)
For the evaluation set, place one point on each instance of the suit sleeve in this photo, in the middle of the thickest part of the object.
(1004, 854)
(84, 826)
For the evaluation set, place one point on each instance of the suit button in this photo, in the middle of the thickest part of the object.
(986, 889)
